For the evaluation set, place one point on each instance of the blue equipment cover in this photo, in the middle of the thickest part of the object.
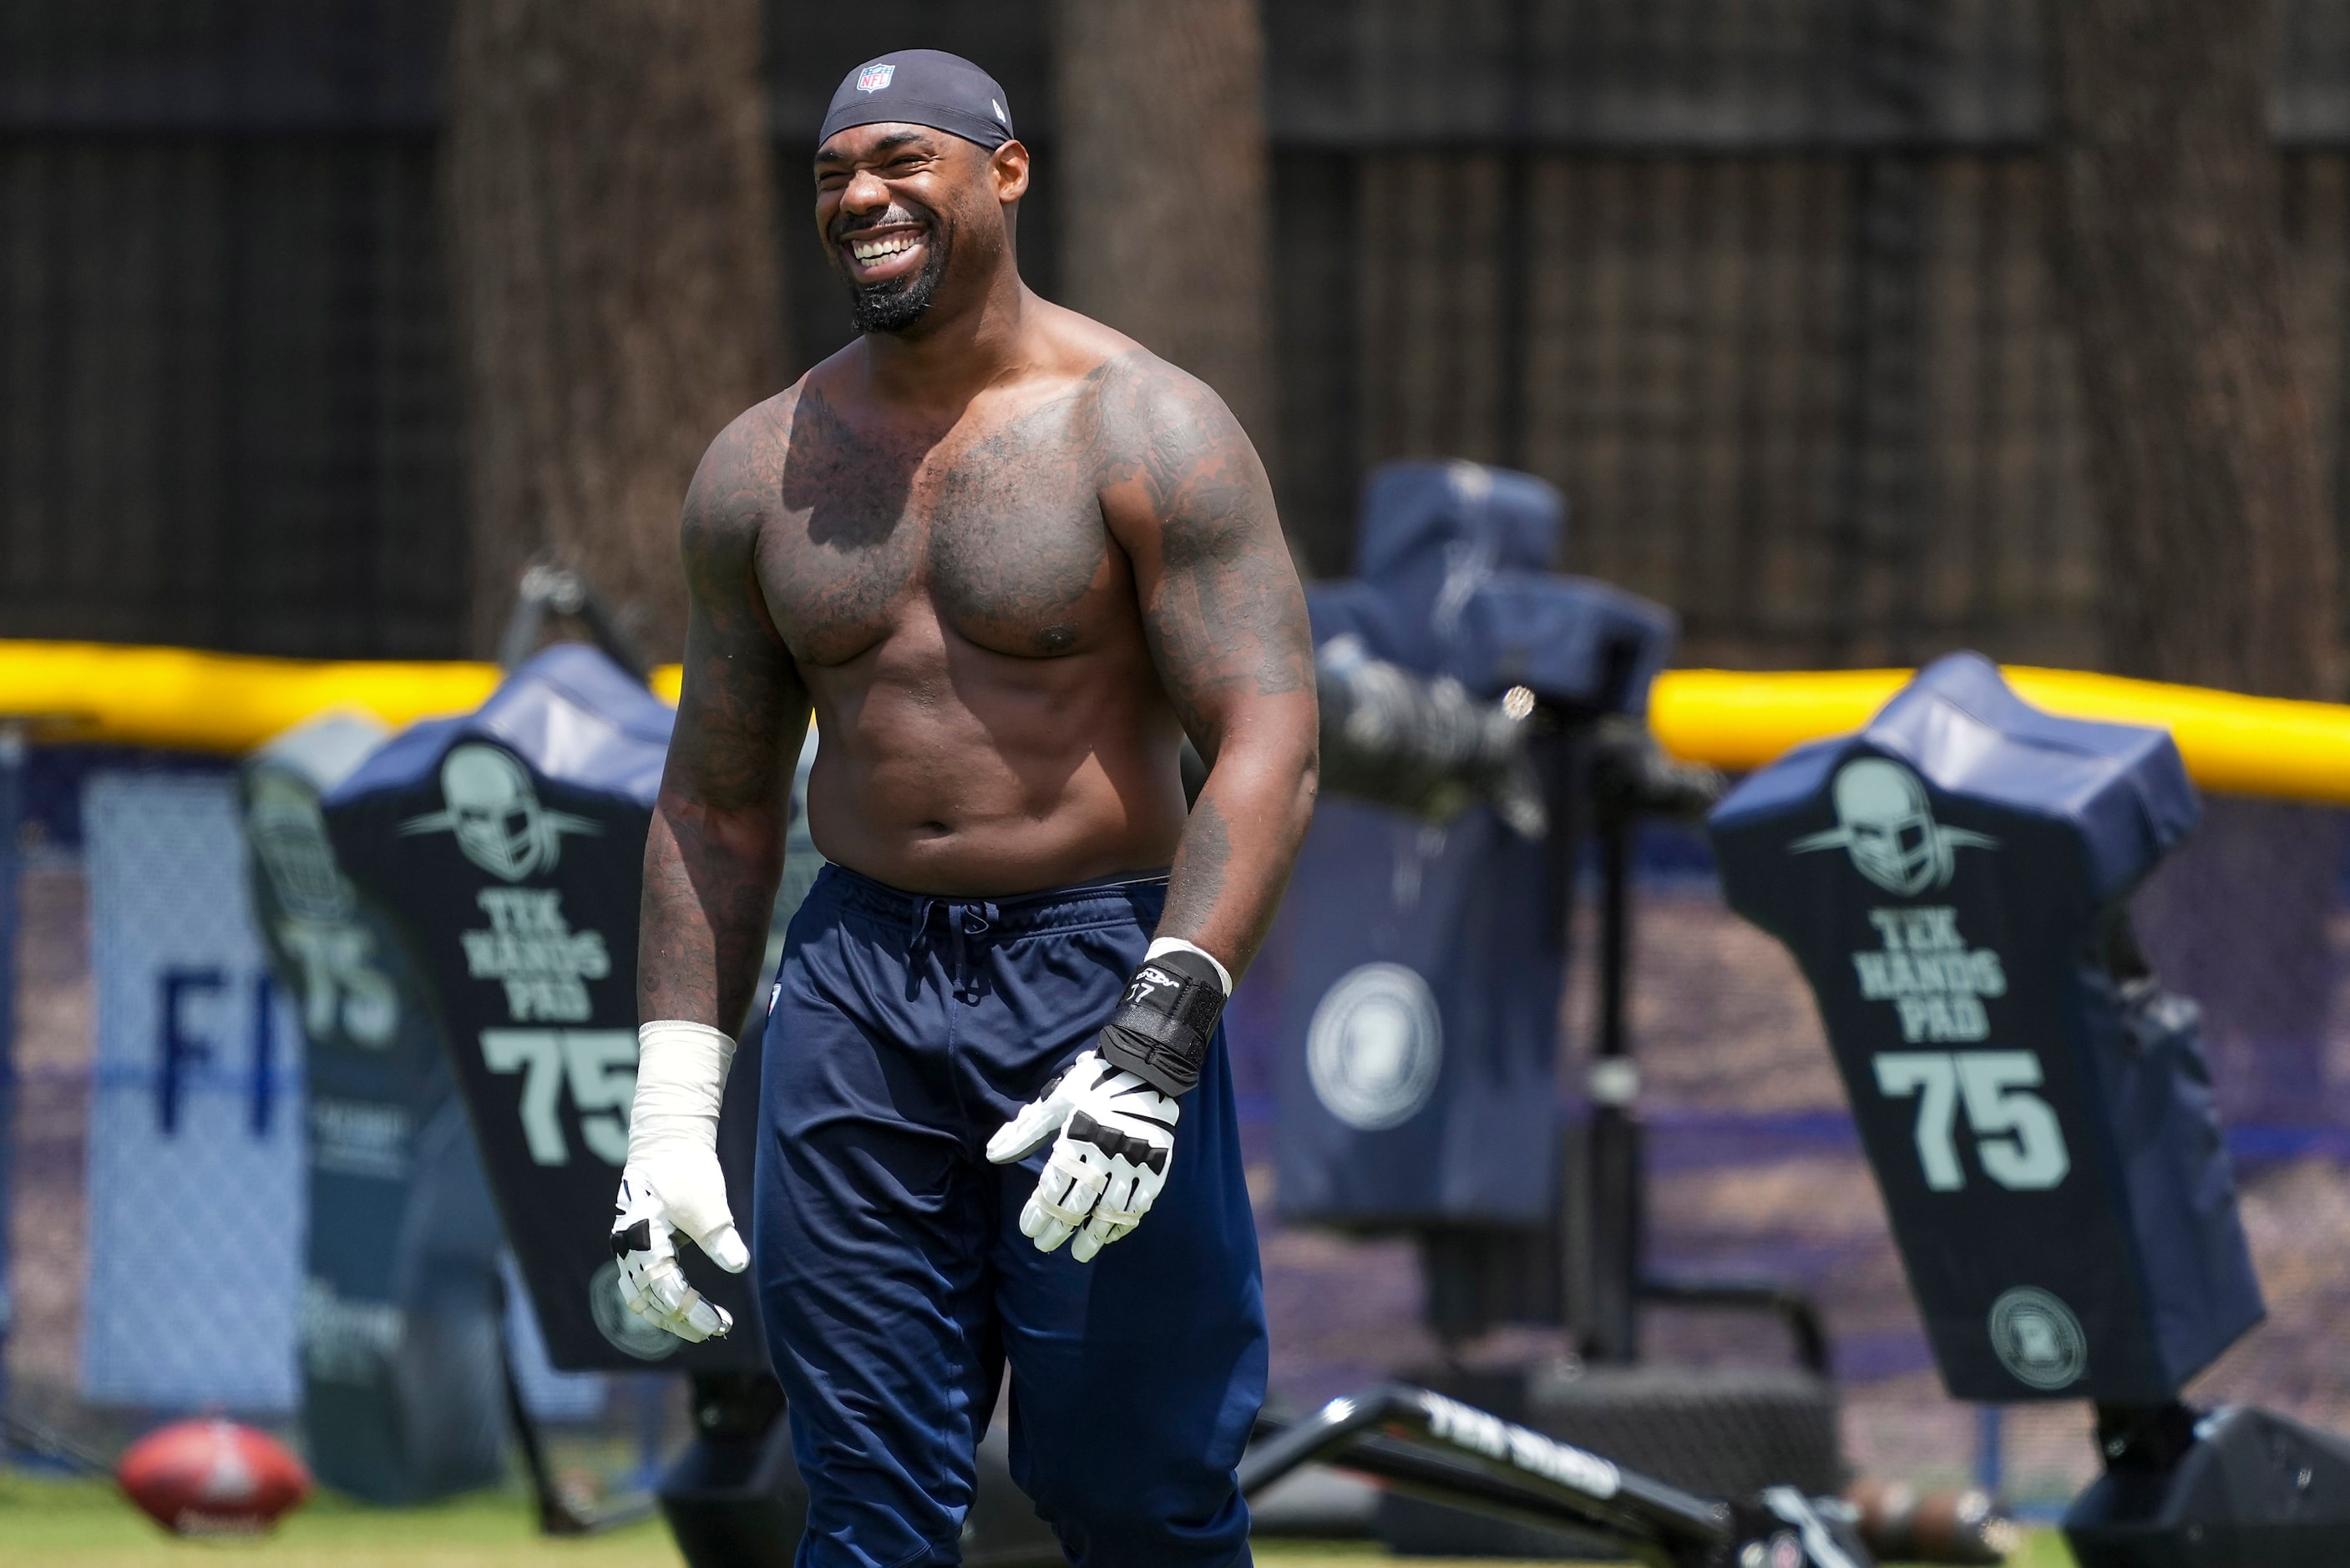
(1419, 1023)
(1419, 967)
(506, 849)
(1455, 580)
(1953, 880)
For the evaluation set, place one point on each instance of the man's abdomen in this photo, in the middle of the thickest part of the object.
(996, 776)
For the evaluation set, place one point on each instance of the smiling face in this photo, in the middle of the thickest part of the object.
(904, 210)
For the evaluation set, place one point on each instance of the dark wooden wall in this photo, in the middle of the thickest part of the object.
(1757, 281)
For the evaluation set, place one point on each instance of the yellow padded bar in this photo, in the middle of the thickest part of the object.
(2233, 743)
(222, 702)
(232, 702)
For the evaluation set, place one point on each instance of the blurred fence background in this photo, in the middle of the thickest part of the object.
(1756, 1172)
(1761, 284)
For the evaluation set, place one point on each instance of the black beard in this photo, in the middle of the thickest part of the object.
(894, 306)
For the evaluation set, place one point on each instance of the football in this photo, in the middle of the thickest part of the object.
(212, 1478)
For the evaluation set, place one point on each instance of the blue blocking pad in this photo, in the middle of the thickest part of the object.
(505, 850)
(1455, 580)
(1416, 968)
(1581, 646)
(1419, 971)
(1952, 880)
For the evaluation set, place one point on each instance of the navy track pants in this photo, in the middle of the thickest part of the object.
(890, 1269)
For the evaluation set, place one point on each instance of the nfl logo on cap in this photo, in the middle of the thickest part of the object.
(874, 77)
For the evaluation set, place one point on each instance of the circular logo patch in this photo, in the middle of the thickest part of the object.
(2037, 1338)
(629, 1333)
(1374, 1047)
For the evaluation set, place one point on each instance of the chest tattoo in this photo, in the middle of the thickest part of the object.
(1002, 534)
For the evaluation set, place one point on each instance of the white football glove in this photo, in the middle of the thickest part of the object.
(671, 1180)
(1117, 1139)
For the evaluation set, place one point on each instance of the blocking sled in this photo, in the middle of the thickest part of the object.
(506, 848)
(1953, 880)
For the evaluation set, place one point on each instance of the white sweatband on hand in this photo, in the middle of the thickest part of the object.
(681, 1084)
(1178, 945)
(673, 1182)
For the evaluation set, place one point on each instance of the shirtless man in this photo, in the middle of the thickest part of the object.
(1011, 559)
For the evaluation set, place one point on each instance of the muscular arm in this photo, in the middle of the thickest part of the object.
(1226, 621)
(716, 850)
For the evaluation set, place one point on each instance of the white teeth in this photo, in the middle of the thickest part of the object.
(874, 250)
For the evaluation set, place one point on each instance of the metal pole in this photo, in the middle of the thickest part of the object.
(1426, 1445)
(1989, 1455)
(1612, 1333)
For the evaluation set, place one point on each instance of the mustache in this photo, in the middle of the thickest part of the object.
(848, 226)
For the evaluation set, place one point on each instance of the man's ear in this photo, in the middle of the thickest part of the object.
(1009, 166)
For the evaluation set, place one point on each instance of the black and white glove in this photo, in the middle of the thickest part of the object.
(1117, 1138)
(1114, 1110)
(673, 1182)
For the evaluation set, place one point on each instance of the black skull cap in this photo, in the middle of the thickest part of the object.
(921, 86)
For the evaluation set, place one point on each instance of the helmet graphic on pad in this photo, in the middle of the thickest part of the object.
(494, 812)
(1885, 823)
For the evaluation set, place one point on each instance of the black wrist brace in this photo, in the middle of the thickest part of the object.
(1164, 1021)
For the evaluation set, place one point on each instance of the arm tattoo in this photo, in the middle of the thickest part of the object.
(1225, 618)
(1230, 617)
(1197, 883)
(716, 850)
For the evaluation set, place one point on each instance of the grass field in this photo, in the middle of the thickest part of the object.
(86, 1524)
